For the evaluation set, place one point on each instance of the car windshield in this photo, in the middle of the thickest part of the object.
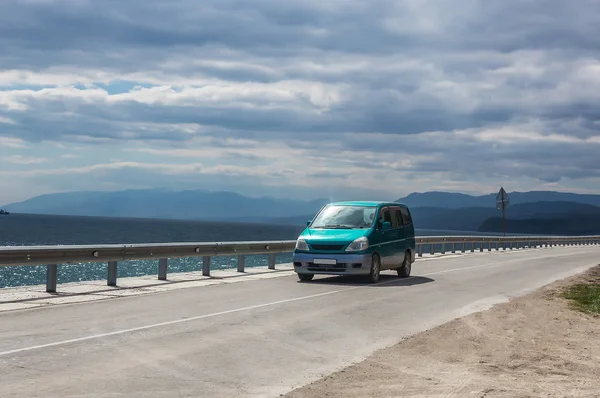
(345, 217)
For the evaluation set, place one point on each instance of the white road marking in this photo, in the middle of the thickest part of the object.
(252, 307)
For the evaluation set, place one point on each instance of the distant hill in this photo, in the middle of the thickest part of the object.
(465, 219)
(459, 200)
(157, 203)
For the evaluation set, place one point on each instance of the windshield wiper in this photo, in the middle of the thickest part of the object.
(337, 226)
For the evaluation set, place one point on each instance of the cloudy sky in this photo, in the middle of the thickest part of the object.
(311, 98)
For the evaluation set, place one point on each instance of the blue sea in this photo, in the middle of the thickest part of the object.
(30, 230)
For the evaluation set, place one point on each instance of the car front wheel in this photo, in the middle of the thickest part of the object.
(375, 269)
(305, 277)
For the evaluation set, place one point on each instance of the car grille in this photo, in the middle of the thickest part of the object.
(340, 267)
(326, 247)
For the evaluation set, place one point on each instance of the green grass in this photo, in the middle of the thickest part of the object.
(585, 297)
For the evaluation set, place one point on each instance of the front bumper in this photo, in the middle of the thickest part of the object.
(345, 264)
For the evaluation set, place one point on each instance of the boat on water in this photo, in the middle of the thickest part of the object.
(4, 212)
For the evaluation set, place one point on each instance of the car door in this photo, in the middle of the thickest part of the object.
(387, 237)
(398, 246)
(378, 237)
(409, 230)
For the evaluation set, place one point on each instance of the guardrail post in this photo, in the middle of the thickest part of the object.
(162, 269)
(462, 247)
(112, 273)
(206, 266)
(489, 246)
(241, 263)
(432, 248)
(444, 248)
(272, 261)
(51, 278)
(420, 248)
(472, 247)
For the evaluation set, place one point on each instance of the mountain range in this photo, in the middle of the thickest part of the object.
(529, 212)
(161, 203)
(453, 200)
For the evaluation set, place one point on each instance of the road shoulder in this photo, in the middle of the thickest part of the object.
(536, 345)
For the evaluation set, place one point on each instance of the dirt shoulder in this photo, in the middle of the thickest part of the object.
(532, 346)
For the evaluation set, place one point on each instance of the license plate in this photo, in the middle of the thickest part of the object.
(325, 261)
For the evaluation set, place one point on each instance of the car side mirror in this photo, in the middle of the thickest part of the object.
(386, 226)
(308, 222)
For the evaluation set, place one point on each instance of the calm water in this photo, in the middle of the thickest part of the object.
(24, 230)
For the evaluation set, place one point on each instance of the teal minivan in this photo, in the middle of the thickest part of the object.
(357, 238)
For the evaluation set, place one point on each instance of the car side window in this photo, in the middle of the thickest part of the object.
(406, 216)
(396, 217)
(384, 215)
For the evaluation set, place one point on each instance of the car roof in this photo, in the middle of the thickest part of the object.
(368, 203)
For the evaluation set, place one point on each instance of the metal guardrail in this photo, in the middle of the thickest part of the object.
(499, 242)
(51, 256)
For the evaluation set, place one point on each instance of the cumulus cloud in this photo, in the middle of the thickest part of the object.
(343, 94)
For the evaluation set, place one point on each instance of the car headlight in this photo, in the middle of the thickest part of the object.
(358, 245)
(301, 245)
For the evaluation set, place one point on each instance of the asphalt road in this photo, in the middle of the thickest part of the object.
(256, 338)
